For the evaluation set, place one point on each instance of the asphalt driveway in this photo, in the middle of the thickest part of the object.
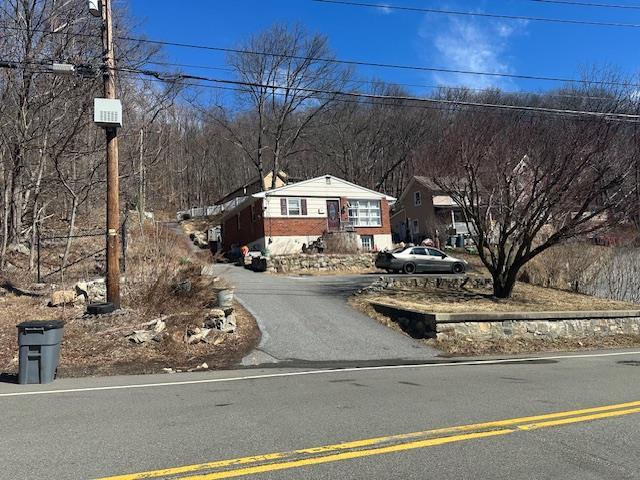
(306, 320)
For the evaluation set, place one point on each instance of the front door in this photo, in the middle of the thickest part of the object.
(333, 215)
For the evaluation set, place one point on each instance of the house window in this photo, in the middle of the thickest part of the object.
(253, 213)
(293, 206)
(290, 207)
(415, 227)
(417, 199)
(367, 242)
(365, 213)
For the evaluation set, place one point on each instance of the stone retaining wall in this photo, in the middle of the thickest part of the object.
(485, 326)
(320, 263)
(385, 282)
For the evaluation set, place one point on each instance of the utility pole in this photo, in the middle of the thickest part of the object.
(113, 187)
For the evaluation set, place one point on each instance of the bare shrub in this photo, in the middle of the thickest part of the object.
(619, 279)
(341, 242)
(571, 266)
(157, 259)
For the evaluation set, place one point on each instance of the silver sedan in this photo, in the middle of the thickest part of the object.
(419, 260)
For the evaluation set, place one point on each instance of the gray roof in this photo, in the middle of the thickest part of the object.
(427, 182)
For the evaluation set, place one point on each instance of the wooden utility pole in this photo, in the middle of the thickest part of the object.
(113, 187)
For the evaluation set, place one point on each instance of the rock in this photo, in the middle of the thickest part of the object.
(183, 288)
(202, 366)
(197, 335)
(154, 332)
(217, 320)
(18, 248)
(92, 291)
(62, 297)
(208, 271)
(168, 370)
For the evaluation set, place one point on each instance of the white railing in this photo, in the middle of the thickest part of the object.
(212, 210)
(200, 212)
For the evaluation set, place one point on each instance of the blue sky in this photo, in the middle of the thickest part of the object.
(382, 35)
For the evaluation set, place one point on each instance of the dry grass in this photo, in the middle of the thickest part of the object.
(526, 298)
(158, 259)
(509, 346)
(514, 346)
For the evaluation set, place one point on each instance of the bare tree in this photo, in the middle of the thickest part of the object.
(281, 70)
(527, 182)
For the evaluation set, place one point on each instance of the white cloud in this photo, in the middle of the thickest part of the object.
(470, 45)
(384, 9)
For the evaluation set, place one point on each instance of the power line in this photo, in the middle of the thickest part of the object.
(12, 63)
(405, 98)
(401, 84)
(352, 62)
(479, 14)
(359, 101)
(331, 93)
(589, 4)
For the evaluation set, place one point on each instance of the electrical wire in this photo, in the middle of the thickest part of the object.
(359, 95)
(589, 4)
(480, 14)
(398, 84)
(404, 98)
(445, 108)
(352, 62)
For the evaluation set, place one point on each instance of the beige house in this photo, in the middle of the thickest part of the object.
(425, 211)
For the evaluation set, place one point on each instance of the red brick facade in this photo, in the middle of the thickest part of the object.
(250, 223)
(253, 226)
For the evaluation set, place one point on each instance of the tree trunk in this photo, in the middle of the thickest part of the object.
(503, 283)
(72, 225)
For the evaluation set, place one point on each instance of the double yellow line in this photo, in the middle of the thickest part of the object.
(380, 445)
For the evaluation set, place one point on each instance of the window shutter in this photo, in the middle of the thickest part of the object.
(303, 206)
(283, 207)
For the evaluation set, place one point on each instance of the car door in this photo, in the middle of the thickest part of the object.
(420, 256)
(436, 263)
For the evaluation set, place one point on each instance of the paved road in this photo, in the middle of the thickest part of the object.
(306, 320)
(85, 429)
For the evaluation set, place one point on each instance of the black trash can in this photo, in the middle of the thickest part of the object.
(39, 343)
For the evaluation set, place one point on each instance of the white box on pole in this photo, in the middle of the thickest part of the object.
(107, 112)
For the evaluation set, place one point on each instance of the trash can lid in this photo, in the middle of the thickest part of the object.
(44, 324)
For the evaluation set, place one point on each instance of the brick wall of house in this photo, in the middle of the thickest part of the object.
(294, 226)
(300, 226)
(251, 226)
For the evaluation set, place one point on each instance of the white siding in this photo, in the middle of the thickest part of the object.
(287, 245)
(383, 242)
(318, 187)
(316, 207)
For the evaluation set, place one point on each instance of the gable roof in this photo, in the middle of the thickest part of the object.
(427, 182)
(334, 180)
(423, 181)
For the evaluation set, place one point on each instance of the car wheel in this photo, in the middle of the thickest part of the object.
(458, 268)
(409, 268)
